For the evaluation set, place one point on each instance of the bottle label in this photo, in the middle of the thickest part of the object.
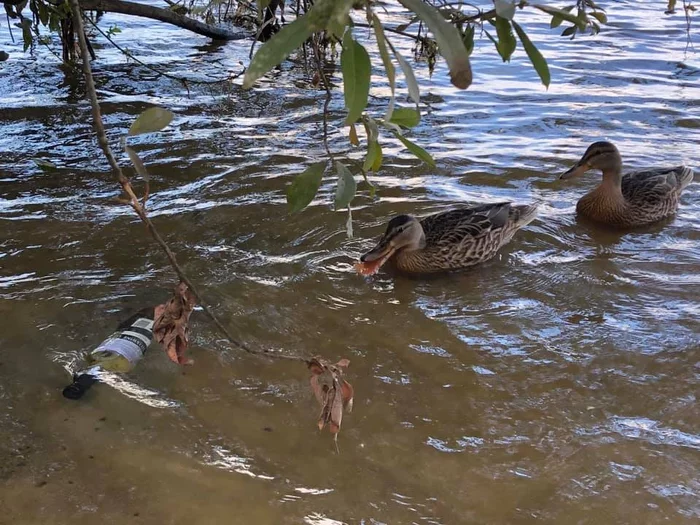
(130, 343)
(127, 347)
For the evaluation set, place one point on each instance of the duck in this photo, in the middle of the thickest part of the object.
(446, 241)
(638, 198)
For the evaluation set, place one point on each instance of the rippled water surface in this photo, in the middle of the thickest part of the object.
(557, 383)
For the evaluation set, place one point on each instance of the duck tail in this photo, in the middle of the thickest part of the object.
(523, 214)
(685, 177)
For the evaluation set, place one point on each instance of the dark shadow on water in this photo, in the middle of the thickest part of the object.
(608, 236)
(213, 46)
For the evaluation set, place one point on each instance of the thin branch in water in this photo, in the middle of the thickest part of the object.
(133, 199)
(417, 38)
(184, 81)
(327, 86)
(48, 48)
(9, 27)
(689, 40)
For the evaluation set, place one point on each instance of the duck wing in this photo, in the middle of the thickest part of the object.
(654, 186)
(454, 226)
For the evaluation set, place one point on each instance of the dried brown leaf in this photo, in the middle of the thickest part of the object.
(317, 389)
(171, 328)
(348, 394)
(354, 140)
(315, 366)
(332, 392)
(336, 412)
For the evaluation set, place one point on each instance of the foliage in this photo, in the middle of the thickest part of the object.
(171, 324)
(450, 33)
(438, 28)
(332, 392)
(43, 13)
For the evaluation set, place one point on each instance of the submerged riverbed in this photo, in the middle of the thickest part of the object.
(555, 384)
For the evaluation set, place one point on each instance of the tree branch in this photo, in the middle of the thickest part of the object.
(417, 38)
(133, 199)
(184, 81)
(324, 79)
(163, 15)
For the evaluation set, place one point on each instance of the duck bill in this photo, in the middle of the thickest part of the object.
(380, 253)
(575, 171)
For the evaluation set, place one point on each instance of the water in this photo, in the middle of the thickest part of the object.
(555, 384)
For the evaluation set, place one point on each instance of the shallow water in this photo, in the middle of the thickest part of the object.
(556, 383)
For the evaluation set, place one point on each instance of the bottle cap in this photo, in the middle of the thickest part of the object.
(80, 385)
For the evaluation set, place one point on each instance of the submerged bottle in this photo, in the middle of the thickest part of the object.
(118, 353)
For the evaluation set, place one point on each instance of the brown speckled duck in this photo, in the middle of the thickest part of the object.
(635, 199)
(446, 241)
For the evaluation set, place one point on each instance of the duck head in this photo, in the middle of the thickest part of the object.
(403, 232)
(603, 156)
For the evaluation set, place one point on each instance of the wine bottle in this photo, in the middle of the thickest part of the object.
(118, 353)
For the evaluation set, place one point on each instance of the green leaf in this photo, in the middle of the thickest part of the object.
(43, 13)
(303, 190)
(354, 140)
(372, 189)
(538, 61)
(563, 14)
(348, 224)
(384, 51)
(45, 165)
(556, 21)
(468, 39)
(569, 31)
(416, 150)
(448, 39)
(138, 163)
(495, 42)
(346, 188)
(330, 14)
(386, 60)
(411, 83)
(403, 27)
(373, 161)
(354, 61)
(600, 16)
(275, 50)
(506, 40)
(505, 9)
(153, 119)
(371, 128)
(54, 22)
(406, 117)
(27, 33)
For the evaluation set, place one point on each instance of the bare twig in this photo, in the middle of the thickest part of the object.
(38, 35)
(417, 38)
(9, 27)
(689, 40)
(327, 86)
(133, 199)
(184, 81)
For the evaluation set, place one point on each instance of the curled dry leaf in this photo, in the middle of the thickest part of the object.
(332, 392)
(171, 323)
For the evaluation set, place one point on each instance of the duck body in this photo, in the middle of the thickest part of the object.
(449, 240)
(636, 199)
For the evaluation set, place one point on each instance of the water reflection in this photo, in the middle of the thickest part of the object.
(556, 383)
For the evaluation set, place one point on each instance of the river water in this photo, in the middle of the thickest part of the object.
(555, 384)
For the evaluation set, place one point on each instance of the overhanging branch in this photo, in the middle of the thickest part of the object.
(163, 15)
